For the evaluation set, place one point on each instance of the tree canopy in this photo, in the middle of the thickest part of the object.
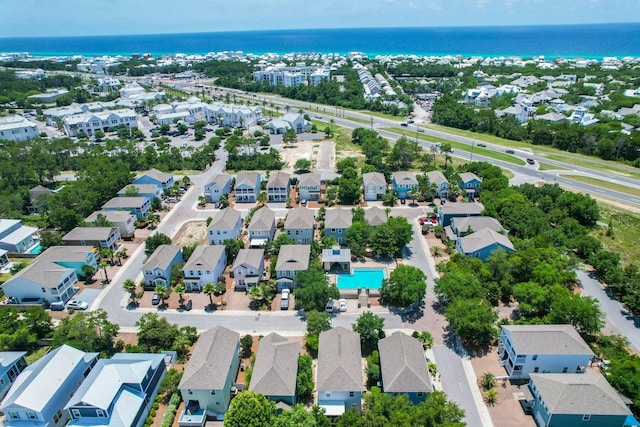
(406, 285)
(313, 290)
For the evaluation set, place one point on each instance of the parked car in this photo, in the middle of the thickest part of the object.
(56, 306)
(420, 130)
(481, 144)
(284, 299)
(510, 152)
(342, 303)
(155, 299)
(189, 305)
(531, 161)
(76, 304)
(329, 307)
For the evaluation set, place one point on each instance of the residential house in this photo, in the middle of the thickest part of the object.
(461, 227)
(163, 180)
(15, 237)
(157, 269)
(336, 222)
(403, 367)
(518, 111)
(71, 257)
(227, 224)
(440, 181)
(552, 117)
(289, 121)
(262, 227)
(527, 349)
(247, 187)
(150, 191)
(568, 400)
(470, 183)
(38, 196)
(337, 260)
(481, 244)
(309, 186)
(17, 128)
(292, 259)
(300, 224)
(275, 369)
(125, 221)
(375, 216)
(209, 376)
(403, 182)
(89, 122)
(54, 116)
(582, 116)
(205, 265)
(374, 185)
(118, 391)
(39, 394)
(97, 237)
(138, 206)
(248, 268)
(458, 210)
(11, 364)
(339, 378)
(220, 184)
(233, 115)
(41, 282)
(278, 187)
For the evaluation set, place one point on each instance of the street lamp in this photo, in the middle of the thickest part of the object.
(473, 141)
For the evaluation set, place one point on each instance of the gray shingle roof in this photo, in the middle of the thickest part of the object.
(307, 179)
(263, 219)
(161, 257)
(403, 364)
(483, 238)
(403, 177)
(276, 367)
(336, 254)
(469, 176)
(43, 272)
(142, 188)
(300, 218)
(249, 257)
(579, 394)
(339, 361)
(220, 180)
(204, 257)
(278, 179)
(374, 178)
(436, 177)
(462, 209)
(89, 233)
(247, 179)
(111, 216)
(476, 223)
(547, 339)
(375, 216)
(226, 219)
(211, 360)
(125, 202)
(337, 218)
(293, 257)
(65, 254)
(158, 175)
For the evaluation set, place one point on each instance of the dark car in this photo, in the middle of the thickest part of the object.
(482, 145)
(531, 161)
(189, 305)
(510, 152)
(57, 306)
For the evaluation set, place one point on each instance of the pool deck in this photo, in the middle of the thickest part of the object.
(387, 265)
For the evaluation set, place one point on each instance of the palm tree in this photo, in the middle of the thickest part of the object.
(103, 265)
(488, 380)
(256, 294)
(106, 253)
(88, 271)
(130, 286)
(209, 290)
(119, 256)
(413, 193)
(180, 290)
(163, 292)
(123, 251)
(491, 397)
(219, 289)
(152, 219)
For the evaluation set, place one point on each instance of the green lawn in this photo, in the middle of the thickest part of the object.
(604, 184)
(601, 165)
(547, 167)
(626, 233)
(460, 146)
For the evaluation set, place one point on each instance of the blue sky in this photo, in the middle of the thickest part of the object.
(27, 18)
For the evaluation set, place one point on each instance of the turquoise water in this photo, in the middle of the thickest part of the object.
(361, 278)
(36, 249)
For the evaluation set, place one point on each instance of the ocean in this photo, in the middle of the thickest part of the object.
(587, 41)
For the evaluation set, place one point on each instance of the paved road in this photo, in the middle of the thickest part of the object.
(626, 323)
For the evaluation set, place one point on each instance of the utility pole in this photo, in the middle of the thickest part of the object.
(473, 141)
(371, 122)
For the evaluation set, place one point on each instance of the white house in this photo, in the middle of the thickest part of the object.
(17, 128)
(205, 265)
(375, 185)
(163, 180)
(289, 121)
(247, 187)
(41, 391)
(138, 206)
(220, 184)
(527, 349)
(278, 187)
(309, 186)
(292, 259)
(233, 115)
(248, 268)
(88, 123)
(339, 384)
(41, 282)
(227, 224)
(15, 237)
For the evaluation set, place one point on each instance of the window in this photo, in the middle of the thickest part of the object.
(536, 369)
(327, 394)
(100, 413)
(14, 415)
(534, 357)
(564, 370)
(586, 417)
(190, 391)
(75, 413)
(351, 394)
(213, 392)
(420, 394)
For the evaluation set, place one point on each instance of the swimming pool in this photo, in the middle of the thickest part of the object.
(36, 249)
(370, 278)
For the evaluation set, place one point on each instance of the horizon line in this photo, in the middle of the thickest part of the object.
(325, 29)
